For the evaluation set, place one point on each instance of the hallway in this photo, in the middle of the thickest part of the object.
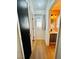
(39, 25)
(41, 51)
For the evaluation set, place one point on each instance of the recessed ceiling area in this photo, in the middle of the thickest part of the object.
(39, 4)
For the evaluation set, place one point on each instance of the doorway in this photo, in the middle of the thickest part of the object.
(39, 26)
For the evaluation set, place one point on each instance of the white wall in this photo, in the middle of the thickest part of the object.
(30, 23)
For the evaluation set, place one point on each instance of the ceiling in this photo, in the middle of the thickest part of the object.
(40, 5)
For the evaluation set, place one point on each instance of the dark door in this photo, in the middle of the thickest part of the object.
(22, 9)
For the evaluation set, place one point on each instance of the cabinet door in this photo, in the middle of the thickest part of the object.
(53, 37)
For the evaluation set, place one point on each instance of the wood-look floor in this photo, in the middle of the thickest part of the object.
(41, 51)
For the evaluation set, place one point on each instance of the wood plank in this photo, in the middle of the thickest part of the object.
(41, 51)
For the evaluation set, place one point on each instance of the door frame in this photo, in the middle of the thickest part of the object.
(18, 29)
(58, 36)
